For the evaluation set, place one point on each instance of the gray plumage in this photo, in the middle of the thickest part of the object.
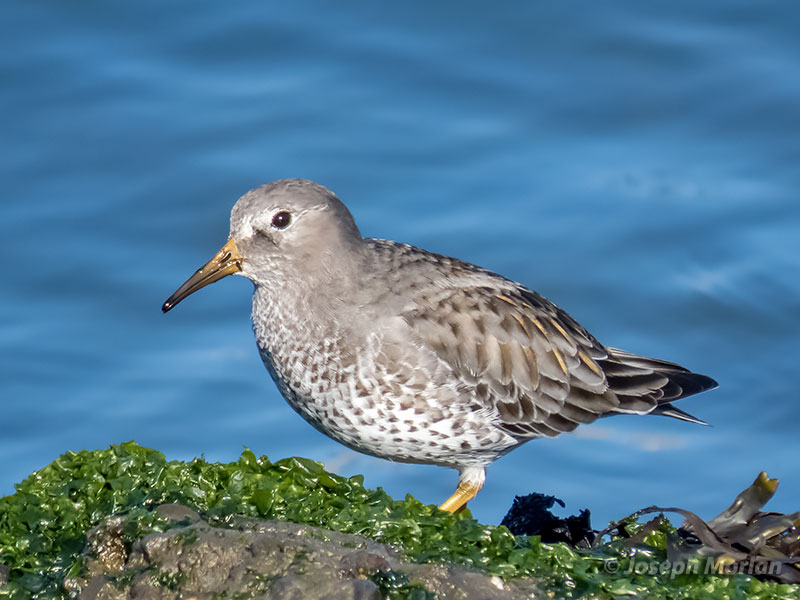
(413, 356)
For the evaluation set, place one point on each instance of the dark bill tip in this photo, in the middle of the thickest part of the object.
(226, 262)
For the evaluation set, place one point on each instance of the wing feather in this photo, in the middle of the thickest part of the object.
(523, 358)
(537, 369)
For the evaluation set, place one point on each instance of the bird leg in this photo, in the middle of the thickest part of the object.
(469, 484)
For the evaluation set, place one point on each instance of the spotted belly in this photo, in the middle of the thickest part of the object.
(404, 415)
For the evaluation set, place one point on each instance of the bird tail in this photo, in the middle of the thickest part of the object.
(649, 385)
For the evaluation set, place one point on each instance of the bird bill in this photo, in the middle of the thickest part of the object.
(226, 262)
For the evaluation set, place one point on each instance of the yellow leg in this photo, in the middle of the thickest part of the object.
(465, 492)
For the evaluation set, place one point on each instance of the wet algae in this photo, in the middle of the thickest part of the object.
(44, 525)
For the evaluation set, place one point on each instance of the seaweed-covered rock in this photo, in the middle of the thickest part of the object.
(250, 558)
(95, 521)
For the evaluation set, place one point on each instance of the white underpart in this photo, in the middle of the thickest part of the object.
(372, 408)
(473, 476)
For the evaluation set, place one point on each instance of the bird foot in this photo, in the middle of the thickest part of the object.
(465, 492)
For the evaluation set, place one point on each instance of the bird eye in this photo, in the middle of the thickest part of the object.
(281, 220)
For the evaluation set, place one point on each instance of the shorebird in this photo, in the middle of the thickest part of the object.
(412, 356)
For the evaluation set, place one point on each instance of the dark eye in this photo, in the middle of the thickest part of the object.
(281, 220)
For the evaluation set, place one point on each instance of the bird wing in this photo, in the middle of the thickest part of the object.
(517, 352)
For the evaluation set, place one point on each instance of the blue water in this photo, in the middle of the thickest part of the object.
(637, 164)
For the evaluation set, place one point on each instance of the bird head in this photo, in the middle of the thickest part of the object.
(278, 231)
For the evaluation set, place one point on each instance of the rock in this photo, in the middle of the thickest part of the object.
(107, 546)
(177, 513)
(252, 558)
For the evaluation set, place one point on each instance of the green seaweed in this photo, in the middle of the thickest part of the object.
(395, 585)
(43, 524)
(170, 581)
